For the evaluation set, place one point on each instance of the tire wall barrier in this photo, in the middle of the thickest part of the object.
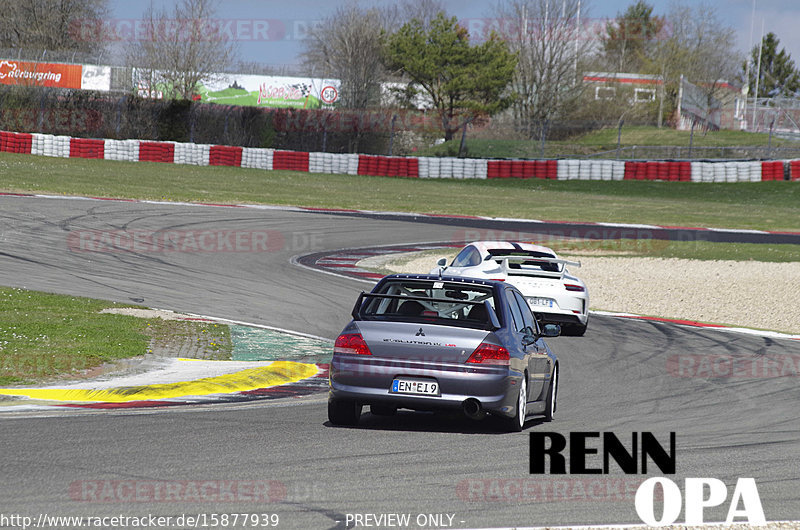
(388, 166)
(290, 160)
(671, 171)
(257, 158)
(333, 163)
(194, 154)
(86, 148)
(794, 169)
(396, 166)
(16, 142)
(127, 150)
(525, 169)
(157, 152)
(591, 170)
(772, 171)
(225, 155)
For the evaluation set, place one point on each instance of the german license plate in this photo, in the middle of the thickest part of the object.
(536, 301)
(415, 386)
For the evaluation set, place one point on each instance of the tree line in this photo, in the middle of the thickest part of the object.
(529, 71)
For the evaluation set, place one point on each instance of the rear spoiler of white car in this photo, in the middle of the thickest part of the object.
(505, 260)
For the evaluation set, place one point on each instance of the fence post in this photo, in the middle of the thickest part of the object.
(191, 123)
(544, 134)
(41, 112)
(118, 119)
(769, 140)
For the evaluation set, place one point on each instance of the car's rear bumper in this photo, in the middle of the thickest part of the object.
(368, 380)
(562, 317)
(564, 309)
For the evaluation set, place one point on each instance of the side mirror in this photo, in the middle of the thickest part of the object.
(442, 262)
(527, 340)
(551, 330)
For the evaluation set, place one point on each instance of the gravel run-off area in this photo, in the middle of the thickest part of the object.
(738, 293)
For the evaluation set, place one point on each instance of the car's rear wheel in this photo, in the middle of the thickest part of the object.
(552, 395)
(383, 410)
(516, 423)
(343, 412)
(575, 330)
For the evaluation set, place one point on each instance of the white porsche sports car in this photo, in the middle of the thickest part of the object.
(553, 294)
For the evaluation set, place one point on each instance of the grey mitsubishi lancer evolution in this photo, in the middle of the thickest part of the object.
(428, 342)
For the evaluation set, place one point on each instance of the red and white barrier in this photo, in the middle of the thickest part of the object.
(58, 146)
(86, 148)
(772, 170)
(794, 169)
(290, 160)
(591, 170)
(11, 142)
(157, 152)
(395, 166)
(126, 150)
(257, 158)
(193, 154)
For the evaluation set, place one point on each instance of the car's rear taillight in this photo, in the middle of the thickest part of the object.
(489, 354)
(351, 343)
(573, 287)
(499, 279)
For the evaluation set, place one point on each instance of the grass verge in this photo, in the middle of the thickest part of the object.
(44, 335)
(748, 205)
(605, 141)
(425, 260)
(698, 250)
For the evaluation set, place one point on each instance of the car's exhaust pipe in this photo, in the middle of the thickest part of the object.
(472, 409)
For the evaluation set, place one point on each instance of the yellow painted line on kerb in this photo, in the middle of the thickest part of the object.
(277, 373)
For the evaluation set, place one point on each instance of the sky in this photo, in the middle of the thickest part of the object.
(271, 32)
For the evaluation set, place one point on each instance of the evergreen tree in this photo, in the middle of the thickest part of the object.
(628, 39)
(463, 81)
(778, 75)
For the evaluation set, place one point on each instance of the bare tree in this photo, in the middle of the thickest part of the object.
(348, 46)
(52, 25)
(699, 46)
(181, 49)
(549, 41)
(407, 10)
(629, 37)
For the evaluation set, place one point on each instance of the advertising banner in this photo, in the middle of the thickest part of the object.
(14, 72)
(253, 90)
(270, 91)
(96, 77)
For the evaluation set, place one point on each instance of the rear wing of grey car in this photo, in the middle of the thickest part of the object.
(489, 320)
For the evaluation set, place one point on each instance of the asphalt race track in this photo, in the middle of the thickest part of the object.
(617, 378)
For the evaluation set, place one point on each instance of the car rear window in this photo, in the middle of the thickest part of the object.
(448, 303)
